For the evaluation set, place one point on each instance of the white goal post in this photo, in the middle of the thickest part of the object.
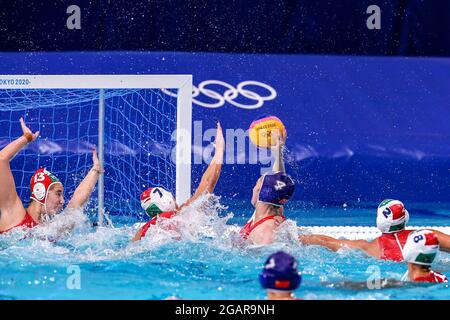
(183, 83)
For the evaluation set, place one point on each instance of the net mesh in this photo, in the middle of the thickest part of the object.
(138, 142)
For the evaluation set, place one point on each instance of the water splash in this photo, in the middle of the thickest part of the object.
(197, 254)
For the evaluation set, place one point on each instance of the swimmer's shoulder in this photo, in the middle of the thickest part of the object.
(12, 216)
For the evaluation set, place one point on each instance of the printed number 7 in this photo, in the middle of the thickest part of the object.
(158, 191)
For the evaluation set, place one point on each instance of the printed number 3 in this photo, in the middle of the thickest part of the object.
(280, 185)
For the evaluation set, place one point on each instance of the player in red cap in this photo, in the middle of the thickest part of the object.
(159, 203)
(392, 218)
(47, 192)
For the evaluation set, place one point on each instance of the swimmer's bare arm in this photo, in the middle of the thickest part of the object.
(138, 235)
(444, 240)
(371, 248)
(62, 226)
(209, 178)
(212, 173)
(9, 199)
(85, 188)
(277, 152)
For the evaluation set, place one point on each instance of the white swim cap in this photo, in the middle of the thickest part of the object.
(157, 200)
(391, 216)
(421, 247)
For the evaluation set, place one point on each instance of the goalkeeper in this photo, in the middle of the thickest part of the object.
(47, 192)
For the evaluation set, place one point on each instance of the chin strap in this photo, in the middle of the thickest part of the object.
(45, 204)
(45, 200)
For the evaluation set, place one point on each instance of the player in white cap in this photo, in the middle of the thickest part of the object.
(419, 252)
(159, 203)
(392, 218)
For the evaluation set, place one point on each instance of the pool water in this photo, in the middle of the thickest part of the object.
(204, 260)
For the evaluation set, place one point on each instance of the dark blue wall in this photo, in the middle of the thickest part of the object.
(408, 27)
(360, 128)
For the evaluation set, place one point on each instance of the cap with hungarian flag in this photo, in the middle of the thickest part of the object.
(421, 247)
(391, 216)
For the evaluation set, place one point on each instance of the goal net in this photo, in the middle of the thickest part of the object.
(141, 133)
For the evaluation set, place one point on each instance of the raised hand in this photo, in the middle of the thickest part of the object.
(220, 142)
(212, 173)
(83, 191)
(278, 138)
(26, 130)
(96, 163)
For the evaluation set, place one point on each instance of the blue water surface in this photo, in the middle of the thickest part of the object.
(204, 262)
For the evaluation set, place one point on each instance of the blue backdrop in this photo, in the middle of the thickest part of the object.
(360, 128)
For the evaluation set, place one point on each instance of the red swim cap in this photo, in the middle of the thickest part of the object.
(40, 184)
(157, 200)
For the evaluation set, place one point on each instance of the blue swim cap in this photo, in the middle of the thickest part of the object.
(280, 273)
(277, 188)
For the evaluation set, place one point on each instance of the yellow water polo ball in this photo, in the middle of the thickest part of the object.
(262, 129)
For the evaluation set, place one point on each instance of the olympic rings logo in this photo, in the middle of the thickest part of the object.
(230, 94)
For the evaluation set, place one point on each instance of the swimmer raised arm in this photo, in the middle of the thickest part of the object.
(63, 226)
(370, 248)
(158, 202)
(444, 240)
(11, 207)
(83, 191)
(212, 173)
(277, 152)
